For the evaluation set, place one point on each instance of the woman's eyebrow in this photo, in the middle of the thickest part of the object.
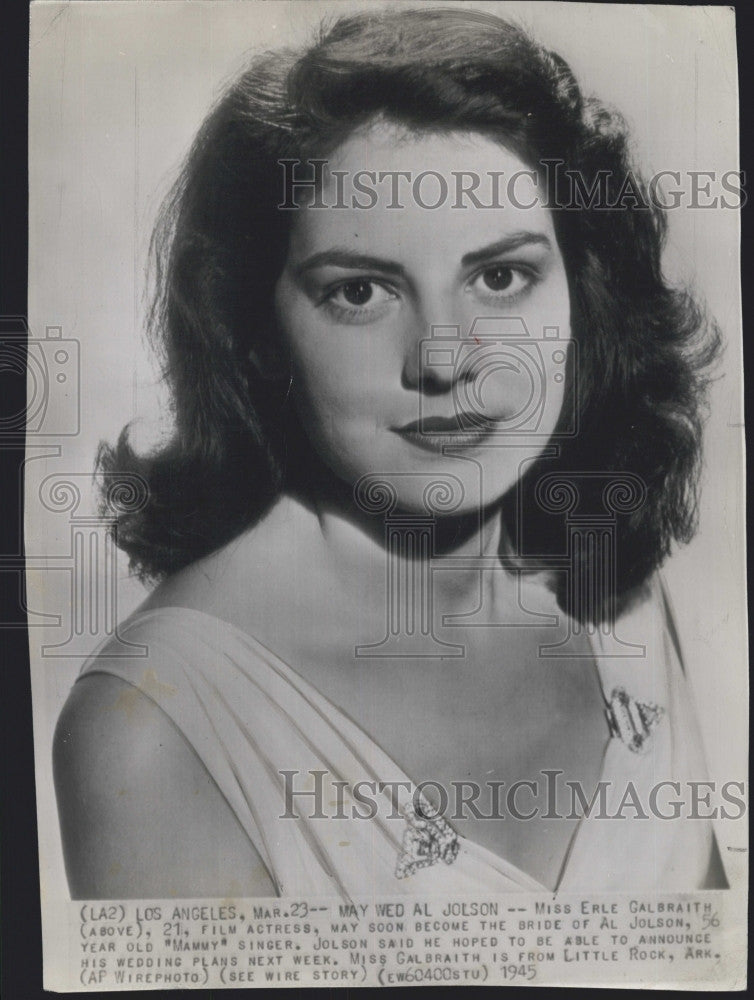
(337, 257)
(343, 257)
(511, 242)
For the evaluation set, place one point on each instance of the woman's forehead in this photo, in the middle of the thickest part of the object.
(386, 188)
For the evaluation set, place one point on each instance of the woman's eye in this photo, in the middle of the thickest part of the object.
(358, 294)
(502, 280)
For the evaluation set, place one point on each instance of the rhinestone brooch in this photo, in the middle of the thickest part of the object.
(427, 839)
(632, 721)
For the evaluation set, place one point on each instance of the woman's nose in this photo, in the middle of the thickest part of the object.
(432, 363)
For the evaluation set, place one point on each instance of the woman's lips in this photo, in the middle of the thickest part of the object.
(464, 430)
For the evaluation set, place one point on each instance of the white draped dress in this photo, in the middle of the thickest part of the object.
(248, 715)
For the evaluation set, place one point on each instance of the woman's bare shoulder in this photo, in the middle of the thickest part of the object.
(140, 815)
(248, 581)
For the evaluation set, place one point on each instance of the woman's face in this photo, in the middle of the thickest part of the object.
(426, 342)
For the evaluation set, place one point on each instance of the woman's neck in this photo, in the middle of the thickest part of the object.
(363, 546)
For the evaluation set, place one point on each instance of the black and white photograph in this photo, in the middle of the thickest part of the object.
(384, 494)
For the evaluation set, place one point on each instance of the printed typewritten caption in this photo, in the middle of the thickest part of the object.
(626, 940)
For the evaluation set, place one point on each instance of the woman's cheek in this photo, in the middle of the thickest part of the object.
(331, 406)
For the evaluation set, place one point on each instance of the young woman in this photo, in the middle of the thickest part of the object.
(437, 427)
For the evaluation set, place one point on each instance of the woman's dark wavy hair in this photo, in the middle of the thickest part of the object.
(643, 347)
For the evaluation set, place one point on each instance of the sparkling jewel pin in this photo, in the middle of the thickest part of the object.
(632, 721)
(427, 839)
